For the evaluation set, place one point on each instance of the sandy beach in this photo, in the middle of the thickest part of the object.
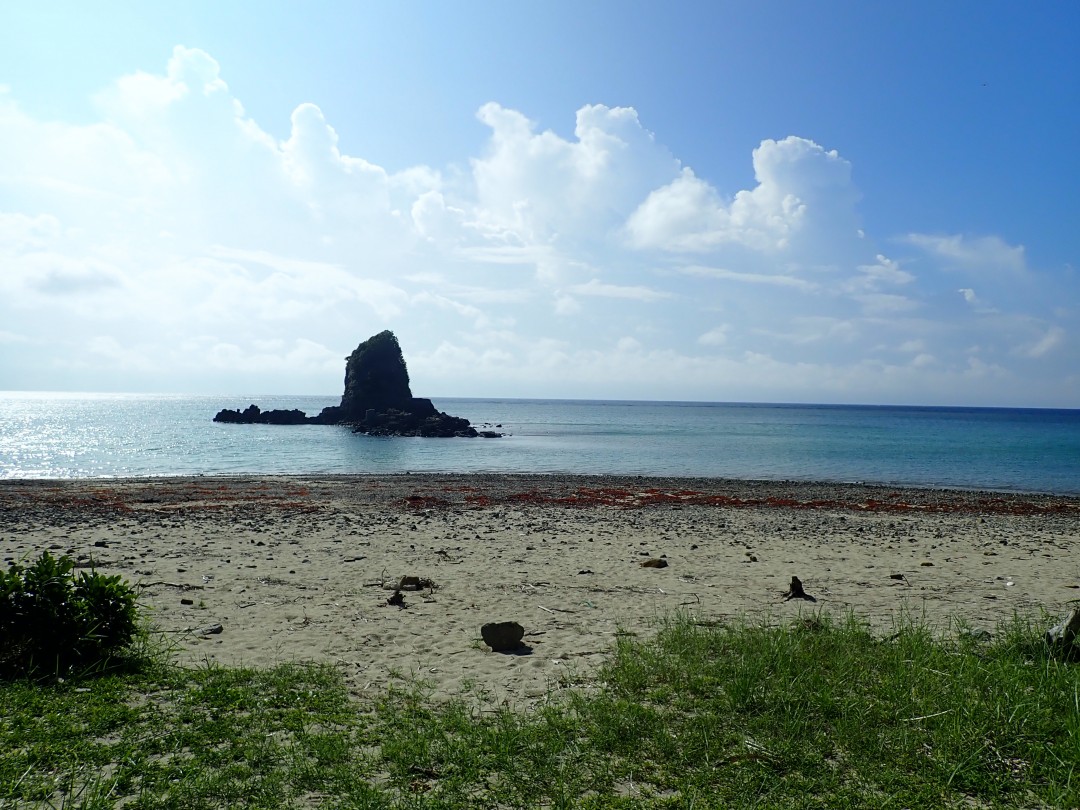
(296, 568)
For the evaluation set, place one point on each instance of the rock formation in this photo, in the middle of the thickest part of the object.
(377, 400)
(502, 636)
(252, 415)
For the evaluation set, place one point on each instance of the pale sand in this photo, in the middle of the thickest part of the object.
(290, 567)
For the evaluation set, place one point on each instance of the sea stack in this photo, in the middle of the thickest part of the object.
(377, 400)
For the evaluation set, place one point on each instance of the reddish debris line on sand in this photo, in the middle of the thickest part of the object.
(426, 502)
(636, 499)
(171, 497)
(101, 499)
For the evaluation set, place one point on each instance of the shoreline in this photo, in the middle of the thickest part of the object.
(291, 567)
(546, 479)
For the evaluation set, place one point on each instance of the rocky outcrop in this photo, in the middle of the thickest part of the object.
(377, 400)
(253, 415)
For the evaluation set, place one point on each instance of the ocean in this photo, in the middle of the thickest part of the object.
(61, 435)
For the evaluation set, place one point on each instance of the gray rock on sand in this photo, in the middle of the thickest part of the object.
(502, 636)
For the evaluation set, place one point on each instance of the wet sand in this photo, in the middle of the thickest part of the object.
(293, 568)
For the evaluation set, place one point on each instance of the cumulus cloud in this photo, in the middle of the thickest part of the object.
(800, 185)
(173, 231)
(542, 188)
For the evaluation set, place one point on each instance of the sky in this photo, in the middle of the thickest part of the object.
(828, 202)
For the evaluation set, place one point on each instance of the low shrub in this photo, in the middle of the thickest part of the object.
(53, 621)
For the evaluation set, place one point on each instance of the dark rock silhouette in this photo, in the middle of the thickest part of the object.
(252, 414)
(377, 400)
(502, 636)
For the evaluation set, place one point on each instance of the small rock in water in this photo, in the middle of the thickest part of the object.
(502, 636)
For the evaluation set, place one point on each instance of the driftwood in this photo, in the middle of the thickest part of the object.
(1062, 636)
(795, 591)
(408, 583)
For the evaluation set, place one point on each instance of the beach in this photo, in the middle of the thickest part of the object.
(257, 570)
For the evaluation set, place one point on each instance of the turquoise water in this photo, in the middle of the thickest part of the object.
(108, 435)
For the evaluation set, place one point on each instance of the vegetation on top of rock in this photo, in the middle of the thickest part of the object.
(375, 377)
(377, 400)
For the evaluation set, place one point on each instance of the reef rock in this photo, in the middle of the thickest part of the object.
(377, 400)
(253, 415)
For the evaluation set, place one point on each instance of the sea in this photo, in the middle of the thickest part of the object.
(67, 435)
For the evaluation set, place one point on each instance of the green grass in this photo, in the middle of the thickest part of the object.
(814, 714)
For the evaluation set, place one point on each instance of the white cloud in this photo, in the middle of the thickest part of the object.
(715, 337)
(543, 188)
(301, 356)
(777, 280)
(19, 232)
(883, 272)
(972, 299)
(972, 252)
(634, 293)
(813, 329)
(800, 185)
(885, 302)
(1050, 341)
(566, 305)
(174, 238)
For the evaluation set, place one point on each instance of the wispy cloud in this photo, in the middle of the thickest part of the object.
(971, 252)
(632, 293)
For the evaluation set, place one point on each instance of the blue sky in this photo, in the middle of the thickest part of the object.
(798, 202)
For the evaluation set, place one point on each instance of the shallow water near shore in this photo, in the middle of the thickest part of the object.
(52, 435)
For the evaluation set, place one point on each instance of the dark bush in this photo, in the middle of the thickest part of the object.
(53, 622)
